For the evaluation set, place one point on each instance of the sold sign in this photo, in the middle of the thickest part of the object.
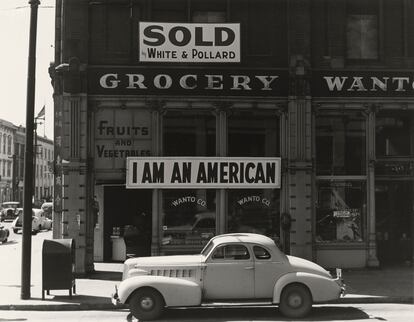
(190, 42)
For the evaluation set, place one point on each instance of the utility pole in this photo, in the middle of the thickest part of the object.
(28, 161)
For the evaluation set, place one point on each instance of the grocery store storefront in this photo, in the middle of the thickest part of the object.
(217, 120)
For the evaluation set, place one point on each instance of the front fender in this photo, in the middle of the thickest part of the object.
(322, 288)
(176, 291)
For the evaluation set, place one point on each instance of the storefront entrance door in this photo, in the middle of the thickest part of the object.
(394, 226)
(127, 213)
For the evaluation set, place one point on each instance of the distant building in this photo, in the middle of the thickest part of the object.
(12, 152)
(7, 134)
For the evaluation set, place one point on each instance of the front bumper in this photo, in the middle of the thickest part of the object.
(340, 281)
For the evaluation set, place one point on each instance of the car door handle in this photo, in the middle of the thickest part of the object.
(249, 267)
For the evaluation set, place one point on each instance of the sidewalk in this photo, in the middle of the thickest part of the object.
(386, 285)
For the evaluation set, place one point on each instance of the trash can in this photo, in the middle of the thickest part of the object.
(58, 262)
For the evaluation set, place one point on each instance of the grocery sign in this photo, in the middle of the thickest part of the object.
(189, 42)
(202, 173)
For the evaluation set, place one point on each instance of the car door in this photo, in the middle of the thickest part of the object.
(268, 268)
(229, 273)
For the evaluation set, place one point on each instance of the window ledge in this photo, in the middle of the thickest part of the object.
(341, 245)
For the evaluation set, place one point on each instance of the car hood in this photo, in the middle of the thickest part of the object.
(174, 260)
(303, 265)
(143, 265)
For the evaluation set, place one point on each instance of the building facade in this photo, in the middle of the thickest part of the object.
(323, 92)
(7, 135)
(12, 151)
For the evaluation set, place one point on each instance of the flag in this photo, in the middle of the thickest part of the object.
(41, 113)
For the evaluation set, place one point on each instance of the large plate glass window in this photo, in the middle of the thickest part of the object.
(341, 206)
(253, 134)
(340, 211)
(189, 215)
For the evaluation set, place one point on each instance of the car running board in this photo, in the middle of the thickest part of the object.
(238, 303)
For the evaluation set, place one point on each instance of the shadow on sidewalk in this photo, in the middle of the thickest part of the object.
(268, 313)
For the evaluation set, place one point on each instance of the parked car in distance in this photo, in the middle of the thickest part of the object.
(234, 268)
(39, 222)
(9, 210)
(47, 207)
(4, 234)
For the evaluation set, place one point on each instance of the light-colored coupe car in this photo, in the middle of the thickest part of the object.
(236, 267)
(39, 221)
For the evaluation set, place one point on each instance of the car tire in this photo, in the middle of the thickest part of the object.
(4, 241)
(295, 301)
(146, 304)
(34, 232)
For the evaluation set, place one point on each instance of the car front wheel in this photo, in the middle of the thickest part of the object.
(146, 304)
(295, 301)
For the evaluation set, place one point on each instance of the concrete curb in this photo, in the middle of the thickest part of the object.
(110, 306)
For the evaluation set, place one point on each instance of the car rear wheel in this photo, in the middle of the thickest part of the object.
(295, 301)
(146, 304)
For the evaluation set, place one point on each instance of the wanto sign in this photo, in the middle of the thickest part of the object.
(202, 173)
(189, 42)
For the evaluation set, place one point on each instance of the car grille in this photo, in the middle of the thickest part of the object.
(188, 273)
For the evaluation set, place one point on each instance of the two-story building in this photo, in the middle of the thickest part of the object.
(7, 187)
(293, 118)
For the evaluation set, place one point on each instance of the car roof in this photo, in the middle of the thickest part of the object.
(244, 238)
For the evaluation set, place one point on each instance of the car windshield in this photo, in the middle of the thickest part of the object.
(207, 248)
(10, 204)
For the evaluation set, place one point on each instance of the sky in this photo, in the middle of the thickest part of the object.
(14, 49)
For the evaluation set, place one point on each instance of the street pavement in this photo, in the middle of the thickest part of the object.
(384, 285)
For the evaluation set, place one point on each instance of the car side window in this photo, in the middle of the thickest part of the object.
(231, 252)
(261, 253)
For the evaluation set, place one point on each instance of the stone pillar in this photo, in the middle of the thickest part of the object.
(299, 160)
(372, 260)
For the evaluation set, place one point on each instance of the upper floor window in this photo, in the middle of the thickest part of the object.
(362, 29)
(4, 143)
(9, 145)
(9, 164)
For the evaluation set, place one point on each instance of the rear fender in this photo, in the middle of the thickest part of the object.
(175, 291)
(322, 288)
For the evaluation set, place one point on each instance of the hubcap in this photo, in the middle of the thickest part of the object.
(147, 303)
(295, 300)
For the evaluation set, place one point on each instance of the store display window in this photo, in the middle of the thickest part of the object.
(341, 144)
(340, 211)
(253, 134)
(254, 211)
(189, 217)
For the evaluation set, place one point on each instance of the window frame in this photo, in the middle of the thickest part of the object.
(331, 110)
